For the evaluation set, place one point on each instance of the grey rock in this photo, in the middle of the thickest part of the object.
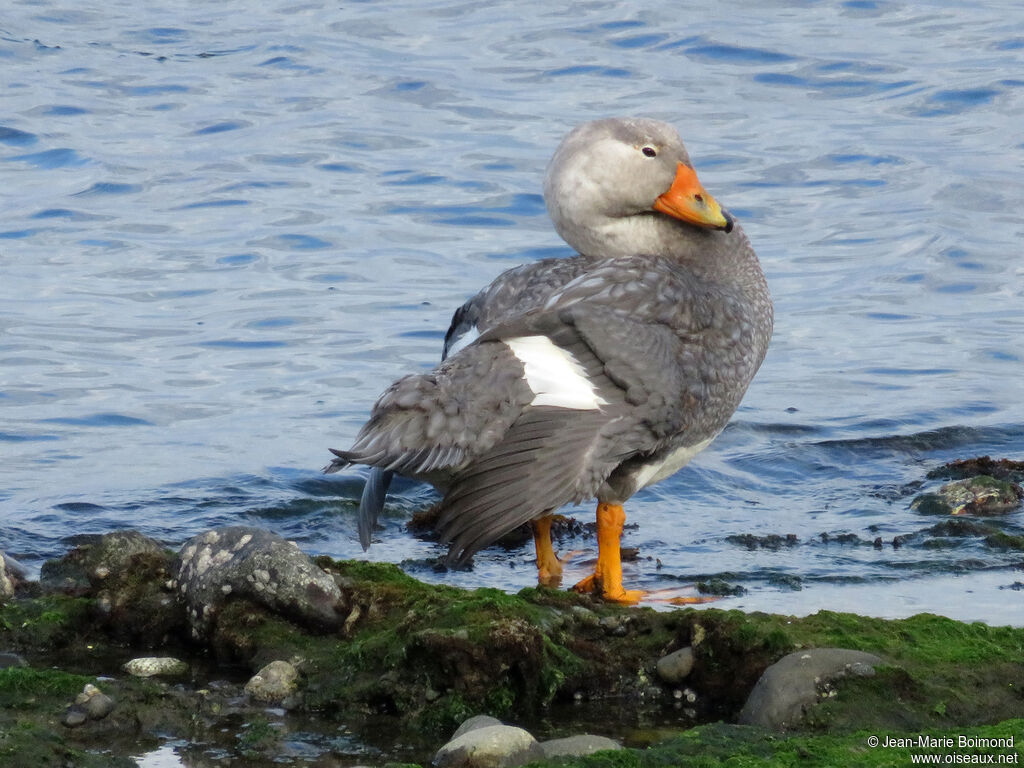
(88, 691)
(584, 616)
(127, 574)
(99, 706)
(244, 562)
(94, 559)
(978, 495)
(477, 721)
(15, 568)
(493, 746)
(616, 625)
(584, 744)
(794, 683)
(156, 666)
(276, 683)
(12, 573)
(74, 716)
(674, 667)
(94, 702)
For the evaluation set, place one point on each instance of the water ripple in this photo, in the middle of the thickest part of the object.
(736, 54)
(223, 239)
(16, 138)
(53, 158)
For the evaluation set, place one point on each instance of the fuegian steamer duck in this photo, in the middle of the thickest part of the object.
(590, 376)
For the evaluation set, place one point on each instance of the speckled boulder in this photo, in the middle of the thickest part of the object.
(493, 746)
(155, 666)
(793, 684)
(235, 562)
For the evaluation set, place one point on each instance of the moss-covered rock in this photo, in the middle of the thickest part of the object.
(978, 495)
(739, 746)
(241, 562)
(31, 703)
(125, 574)
(422, 658)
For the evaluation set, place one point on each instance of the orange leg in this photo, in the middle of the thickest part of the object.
(549, 567)
(607, 577)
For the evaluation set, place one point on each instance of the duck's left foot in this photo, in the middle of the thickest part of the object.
(549, 565)
(549, 570)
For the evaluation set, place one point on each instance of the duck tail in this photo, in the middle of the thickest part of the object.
(372, 502)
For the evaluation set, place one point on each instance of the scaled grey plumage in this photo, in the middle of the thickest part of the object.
(663, 323)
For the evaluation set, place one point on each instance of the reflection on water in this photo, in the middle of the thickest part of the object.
(164, 756)
(226, 228)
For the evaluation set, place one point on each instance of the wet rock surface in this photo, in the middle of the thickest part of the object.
(674, 667)
(94, 702)
(790, 686)
(401, 663)
(574, 746)
(477, 721)
(241, 562)
(276, 683)
(156, 666)
(1001, 469)
(12, 574)
(978, 495)
(492, 746)
(97, 558)
(90, 704)
(126, 574)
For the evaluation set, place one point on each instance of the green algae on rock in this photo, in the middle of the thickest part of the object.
(741, 746)
(422, 658)
(978, 495)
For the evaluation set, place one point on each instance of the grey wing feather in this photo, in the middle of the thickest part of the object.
(371, 504)
(431, 424)
(512, 293)
(540, 465)
(653, 381)
(549, 457)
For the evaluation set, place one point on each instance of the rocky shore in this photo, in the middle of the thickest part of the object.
(240, 649)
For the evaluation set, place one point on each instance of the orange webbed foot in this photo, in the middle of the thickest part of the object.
(613, 593)
(549, 565)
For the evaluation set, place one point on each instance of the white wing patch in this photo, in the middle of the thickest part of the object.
(464, 340)
(554, 375)
(679, 458)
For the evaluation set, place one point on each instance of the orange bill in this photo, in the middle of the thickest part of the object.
(688, 201)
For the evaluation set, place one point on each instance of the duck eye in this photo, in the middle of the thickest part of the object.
(650, 151)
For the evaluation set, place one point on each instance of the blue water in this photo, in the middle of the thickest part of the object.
(225, 228)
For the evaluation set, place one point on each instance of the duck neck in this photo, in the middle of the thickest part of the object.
(714, 255)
